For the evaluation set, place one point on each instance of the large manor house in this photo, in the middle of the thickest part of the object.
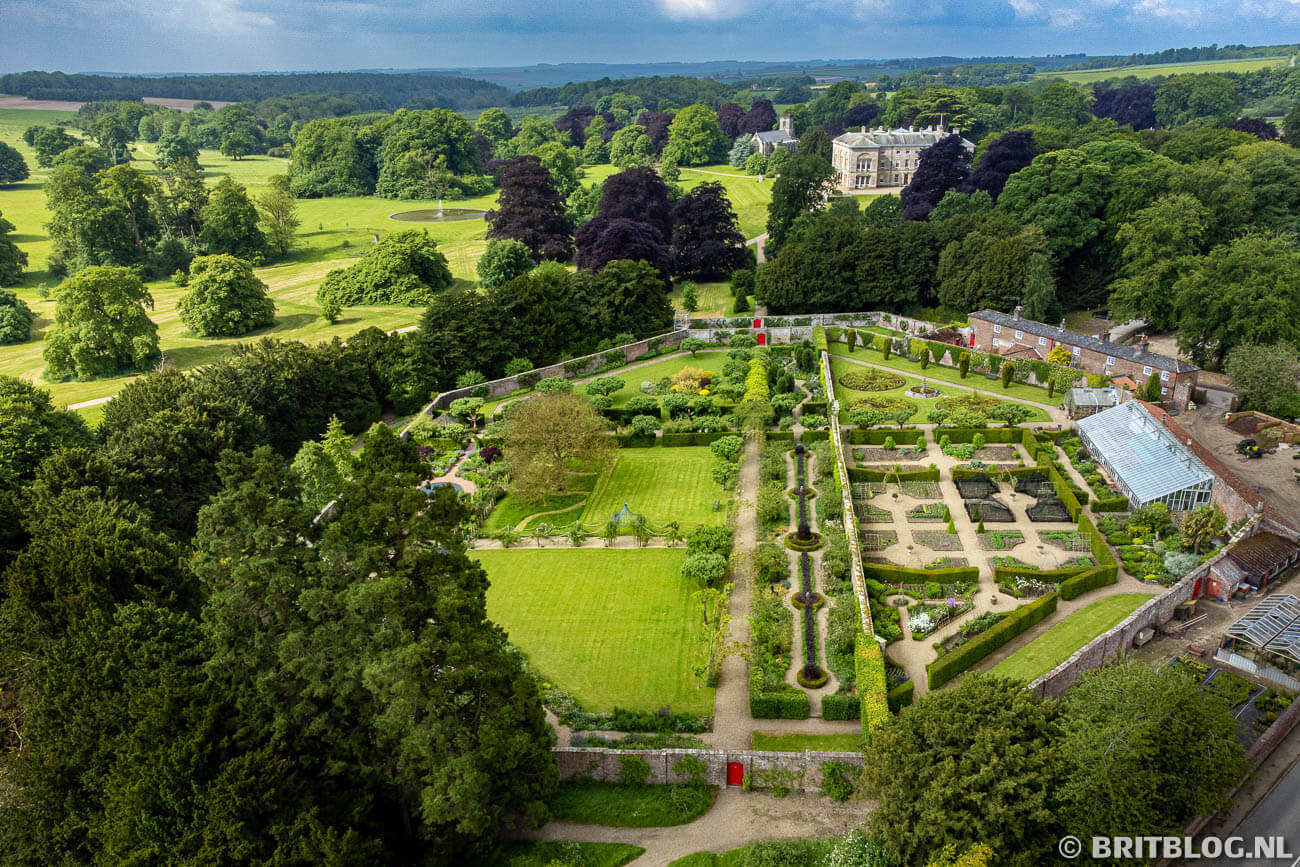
(883, 158)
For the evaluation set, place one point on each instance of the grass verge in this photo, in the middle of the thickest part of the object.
(843, 743)
(548, 852)
(629, 806)
(1061, 641)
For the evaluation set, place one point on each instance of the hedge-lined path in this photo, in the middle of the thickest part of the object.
(736, 818)
(1056, 413)
(592, 377)
(733, 727)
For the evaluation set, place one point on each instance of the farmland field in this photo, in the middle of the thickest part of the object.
(613, 627)
(1088, 76)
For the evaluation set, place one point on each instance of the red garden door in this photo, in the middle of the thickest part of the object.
(758, 323)
(735, 774)
(762, 339)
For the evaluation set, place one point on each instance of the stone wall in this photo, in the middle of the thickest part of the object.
(795, 770)
(846, 491)
(1119, 638)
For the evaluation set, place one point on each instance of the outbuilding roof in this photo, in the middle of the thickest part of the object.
(1145, 457)
(1060, 335)
(1273, 624)
(1263, 553)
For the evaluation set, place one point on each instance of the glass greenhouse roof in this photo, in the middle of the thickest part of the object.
(1143, 455)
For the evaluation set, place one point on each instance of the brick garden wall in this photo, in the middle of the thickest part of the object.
(803, 770)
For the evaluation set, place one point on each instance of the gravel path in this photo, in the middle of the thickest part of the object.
(736, 818)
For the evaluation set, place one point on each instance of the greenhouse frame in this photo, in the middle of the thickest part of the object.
(1146, 461)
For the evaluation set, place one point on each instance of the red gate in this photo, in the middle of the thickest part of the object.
(735, 774)
(762, 339)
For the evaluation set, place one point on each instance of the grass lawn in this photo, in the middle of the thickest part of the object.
(613, 627)
(845, 743)
(793, 851)
(664, 484)
(547, 852)
(633, 377)
(1057, 644)
(629, 806)
(512, 512)
(715, 299)
(748, 197)
(940, 374)
(1150, 71)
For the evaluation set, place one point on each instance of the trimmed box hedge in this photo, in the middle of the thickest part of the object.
(1113, 504)
(888, 573)
(992, 435)
(994, 475)
(859, 474)
(819, 339)
(780, 436)
(1106, 571)
(946, 667)
(901, 696)
(695, 438)
(632, 441)
(871, 683)
(814, 436)
(815, 407)
(789, 704)
(622, 415)
(841, 707)
(908, 436)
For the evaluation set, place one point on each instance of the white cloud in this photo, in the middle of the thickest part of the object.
(1025, 8)
(712, 10)
(1282, 10)
(1165, 11)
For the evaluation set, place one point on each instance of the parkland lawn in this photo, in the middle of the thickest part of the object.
(615, 627)
(664, 484)
(1059, 643)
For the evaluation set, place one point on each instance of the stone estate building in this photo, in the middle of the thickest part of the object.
(1011, 335)
(781, 137)
(880, 158)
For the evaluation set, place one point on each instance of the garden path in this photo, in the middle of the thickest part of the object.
(453, 476)
(736, 818)
(1055, 412)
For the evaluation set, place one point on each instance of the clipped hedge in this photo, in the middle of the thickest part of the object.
(906, 436)
(1085, 581)
(780, 436)
(696, 438)
(859, 474)
(791, 704)
(841, 707)
(814, 436)
(1112, 504)
(1015, 472)
(1106, 571)
(819, 339)
(815, 407)
(900, 696)
(1050, 576)
(622, 415)
(946, 667)
(888, 573)
(632, 441)
(992, 435)
(871, 683)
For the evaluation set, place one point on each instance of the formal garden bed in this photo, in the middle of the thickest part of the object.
(937, 540)
(870, 379)
(928, 512)
(925, 618)
(1025, 586)
(1001, 540)
(975, 626)
(877, 540)
(868, 455)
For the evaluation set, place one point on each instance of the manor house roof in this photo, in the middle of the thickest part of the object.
(880, 138)
(1060, 335)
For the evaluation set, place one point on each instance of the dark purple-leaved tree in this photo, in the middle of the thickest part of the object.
(943, 166)
(1131, 106)
(531, 210)
(861, 115)
(729, 116)
(1006, 155)
(638, 194)
(574, 123)
(1256, 126)
(707, 244)
(602, 240)
(760, 118)
(656, 127)
(484, 149)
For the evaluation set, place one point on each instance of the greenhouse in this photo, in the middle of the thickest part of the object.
(1268, 635)
(1145, 460)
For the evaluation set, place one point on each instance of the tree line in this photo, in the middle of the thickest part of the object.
(396, 90)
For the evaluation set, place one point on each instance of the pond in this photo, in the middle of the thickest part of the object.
(438, 215)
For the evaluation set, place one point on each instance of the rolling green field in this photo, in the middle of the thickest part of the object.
(847, 396)
(1061, 641)
(614, 627)
(1088, 76)
(663, 484)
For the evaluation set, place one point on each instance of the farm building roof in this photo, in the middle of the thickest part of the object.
(1273, 624)
(1262, 553)
(1147, 459)
(1060, 335)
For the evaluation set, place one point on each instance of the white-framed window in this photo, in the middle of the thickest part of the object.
(997, 329)
(1042, 341)
(1163, 391)
(1074, 350)
(995, 341)
(1019, 334)
(1146, 370)
(1164, 376)
(1109, 361)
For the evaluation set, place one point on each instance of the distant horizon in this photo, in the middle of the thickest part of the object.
(248, 36)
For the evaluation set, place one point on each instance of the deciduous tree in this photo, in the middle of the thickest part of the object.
(503, 261)
(403, 268)
(13, 168)
(706, 239)
(101, 326)
(224, 298)
(12, 259)
(531, 210)
(230, 223)
(803, 187)
(278, 210)
(1264, 375)
(545, 435)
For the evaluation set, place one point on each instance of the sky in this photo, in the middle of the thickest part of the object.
(140, 36)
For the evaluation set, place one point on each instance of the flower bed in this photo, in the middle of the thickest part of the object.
(871, 379)
(928, 512)
(975, 627)
(926, 617)
(1001, 540)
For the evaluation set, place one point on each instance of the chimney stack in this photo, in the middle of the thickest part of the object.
(1019, 309)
